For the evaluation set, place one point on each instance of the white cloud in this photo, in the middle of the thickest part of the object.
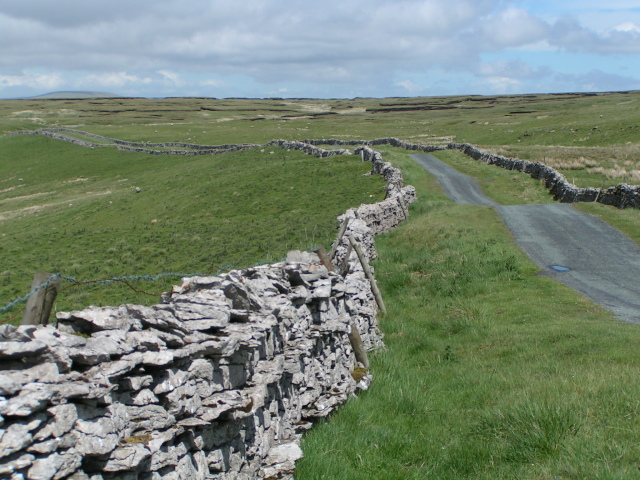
(113, 80)
(172, 78)
(47, 81)
(336, 46)
(503, 85)
(626, 27)
(410, 86)
(213, 83)
(512, 28)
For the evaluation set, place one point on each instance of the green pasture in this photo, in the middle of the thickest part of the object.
(491, 371)
(74, 211)
(594, 139)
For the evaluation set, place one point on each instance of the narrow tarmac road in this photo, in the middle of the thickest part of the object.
(572, 247)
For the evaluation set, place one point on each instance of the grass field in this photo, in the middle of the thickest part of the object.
(491, 371)
(74, 211)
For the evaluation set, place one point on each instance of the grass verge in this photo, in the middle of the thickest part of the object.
(490, 372)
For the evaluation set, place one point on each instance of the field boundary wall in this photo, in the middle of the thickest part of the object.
(218, 381)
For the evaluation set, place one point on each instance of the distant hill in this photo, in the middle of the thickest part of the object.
(75, 95)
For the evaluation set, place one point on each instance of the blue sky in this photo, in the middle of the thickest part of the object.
(321, 48)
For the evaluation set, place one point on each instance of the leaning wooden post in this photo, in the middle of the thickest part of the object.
(40, 303)
(402, 204)
(358, 348)
(344, 268)
(326, 261)
(367, 272)
(341, 232)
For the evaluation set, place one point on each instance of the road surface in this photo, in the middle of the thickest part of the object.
(572, 247)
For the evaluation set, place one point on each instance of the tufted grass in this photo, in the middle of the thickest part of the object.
(490, 371)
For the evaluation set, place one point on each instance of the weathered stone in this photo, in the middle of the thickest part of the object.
(15, 462)
(183, 400)
(171, 379)
(94, 319)
(241, 299)
(98, 431)
(8, 386)
(45, 447)
(126, 458)
(150, 418)
(55, 466)
(13, 350)
(203, 309)
(111, 370)
(145, 397)
(17, 436)
(52, 336)
(160, 317)
(167, 455)
(296, 256)
(32, 398)
(322, 289)
(10, 333)
(192, 467)
(201, 368)
(136, 383)
(195, 283)
(64, 418)
(158, 439)
(145, 340)
(163, 357)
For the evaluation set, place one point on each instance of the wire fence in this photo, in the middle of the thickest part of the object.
(126, 280)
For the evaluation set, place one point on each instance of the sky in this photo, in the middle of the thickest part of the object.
(318, 48)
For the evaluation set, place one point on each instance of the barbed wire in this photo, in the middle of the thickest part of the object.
(74, 282)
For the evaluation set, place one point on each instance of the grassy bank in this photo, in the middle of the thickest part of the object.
(490, 372)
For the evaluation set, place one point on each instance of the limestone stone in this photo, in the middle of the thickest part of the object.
(32, 398)
(45, 447)
(145, 397)
(10, 333)
(150, 418)
(13, 350)
(126, 458)
(15, 462)
(136, 383)
(170, 380)
(63, 420)
(55, 466)
(167, 455)
(17, 436)
(94, 319)
(145, 340)
(111, 370)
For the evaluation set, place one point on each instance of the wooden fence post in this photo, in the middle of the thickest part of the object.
(403, 206)
(40, 303)
(367, 272)
(326, 261)
(344, 268)
(341, 231)
(358, 349)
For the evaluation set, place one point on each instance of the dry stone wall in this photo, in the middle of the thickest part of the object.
(621, 196)
(217, 382)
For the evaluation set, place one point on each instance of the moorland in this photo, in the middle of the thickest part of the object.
(491, 371)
